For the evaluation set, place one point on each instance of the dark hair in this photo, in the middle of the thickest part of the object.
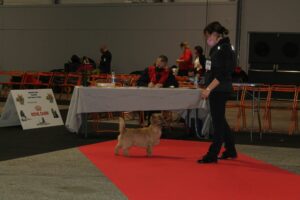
(199, 50)
(215, 27)
(163, 58)
(184, 44)
(75, 59)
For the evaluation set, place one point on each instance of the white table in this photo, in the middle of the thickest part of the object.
(94, 99)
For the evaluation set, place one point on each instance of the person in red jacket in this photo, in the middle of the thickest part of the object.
(185, 61)
(158, 75)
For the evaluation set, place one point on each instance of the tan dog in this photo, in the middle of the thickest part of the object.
(145, 137)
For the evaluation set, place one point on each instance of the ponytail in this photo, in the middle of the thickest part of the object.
(225, 31)
(216, 27)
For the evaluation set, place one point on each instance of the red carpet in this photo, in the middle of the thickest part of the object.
(172, 173)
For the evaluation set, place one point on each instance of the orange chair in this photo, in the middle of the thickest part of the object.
(288, 102)
(98, 78)
(57, 82)
(10, 80)
(186, 84)
(263, 92)
(182, 78)
(97, 125)
(134, 79)
(127, 79)
(31, 80)
(72, 80)
(237, 104)
(118, 81)
(45, 79)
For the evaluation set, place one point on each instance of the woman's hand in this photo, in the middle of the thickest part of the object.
(205, 93)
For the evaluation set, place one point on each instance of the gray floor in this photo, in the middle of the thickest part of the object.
(285, 158)
(65, 174)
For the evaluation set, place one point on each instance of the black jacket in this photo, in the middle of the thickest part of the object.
(105, 62)
(223, 62)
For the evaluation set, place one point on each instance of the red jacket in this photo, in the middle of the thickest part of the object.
(85, 67)
(187, 57)
(164, 74)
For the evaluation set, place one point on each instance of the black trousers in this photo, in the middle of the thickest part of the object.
(222, 132)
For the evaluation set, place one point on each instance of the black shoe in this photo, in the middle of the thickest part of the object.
(228, 155)
(208, 159)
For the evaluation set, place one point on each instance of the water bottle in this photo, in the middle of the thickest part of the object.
(113, 78)
(196, 81)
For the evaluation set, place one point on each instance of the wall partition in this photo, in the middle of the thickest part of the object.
(43, 37)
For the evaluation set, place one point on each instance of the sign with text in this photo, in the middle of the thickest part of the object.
(36, 108)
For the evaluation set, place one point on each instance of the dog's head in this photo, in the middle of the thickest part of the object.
(157, 119)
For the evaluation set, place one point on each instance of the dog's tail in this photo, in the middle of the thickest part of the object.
(122, 125)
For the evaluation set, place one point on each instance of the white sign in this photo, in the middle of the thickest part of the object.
(9, 115)
(36, 108)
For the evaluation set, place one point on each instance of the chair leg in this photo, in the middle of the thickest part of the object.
(265, 121)
(141, 118)
(259, 121)
(296, 121)
(110, 115)
(238, 121)
(292, 126)
(94, 124)
(96, 121)
(270, 121)
(244, 119)
(61, 93)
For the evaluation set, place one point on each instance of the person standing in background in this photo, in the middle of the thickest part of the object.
(199, 62)
(185, 61)
(218, 81)
(105, 61)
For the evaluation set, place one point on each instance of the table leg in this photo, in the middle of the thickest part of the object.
(187, 121)
(196, 124)
(84, 125)
(252, 120)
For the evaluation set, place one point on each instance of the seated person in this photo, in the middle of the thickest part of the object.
(158, 75)
(239, 75)
(86, 65)
(72, 66)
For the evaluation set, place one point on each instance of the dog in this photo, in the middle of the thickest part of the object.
(146, 137)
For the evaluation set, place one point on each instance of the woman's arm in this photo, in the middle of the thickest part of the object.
(205, 93)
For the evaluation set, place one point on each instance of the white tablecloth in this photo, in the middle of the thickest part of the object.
(93, 99)
(9, 115)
